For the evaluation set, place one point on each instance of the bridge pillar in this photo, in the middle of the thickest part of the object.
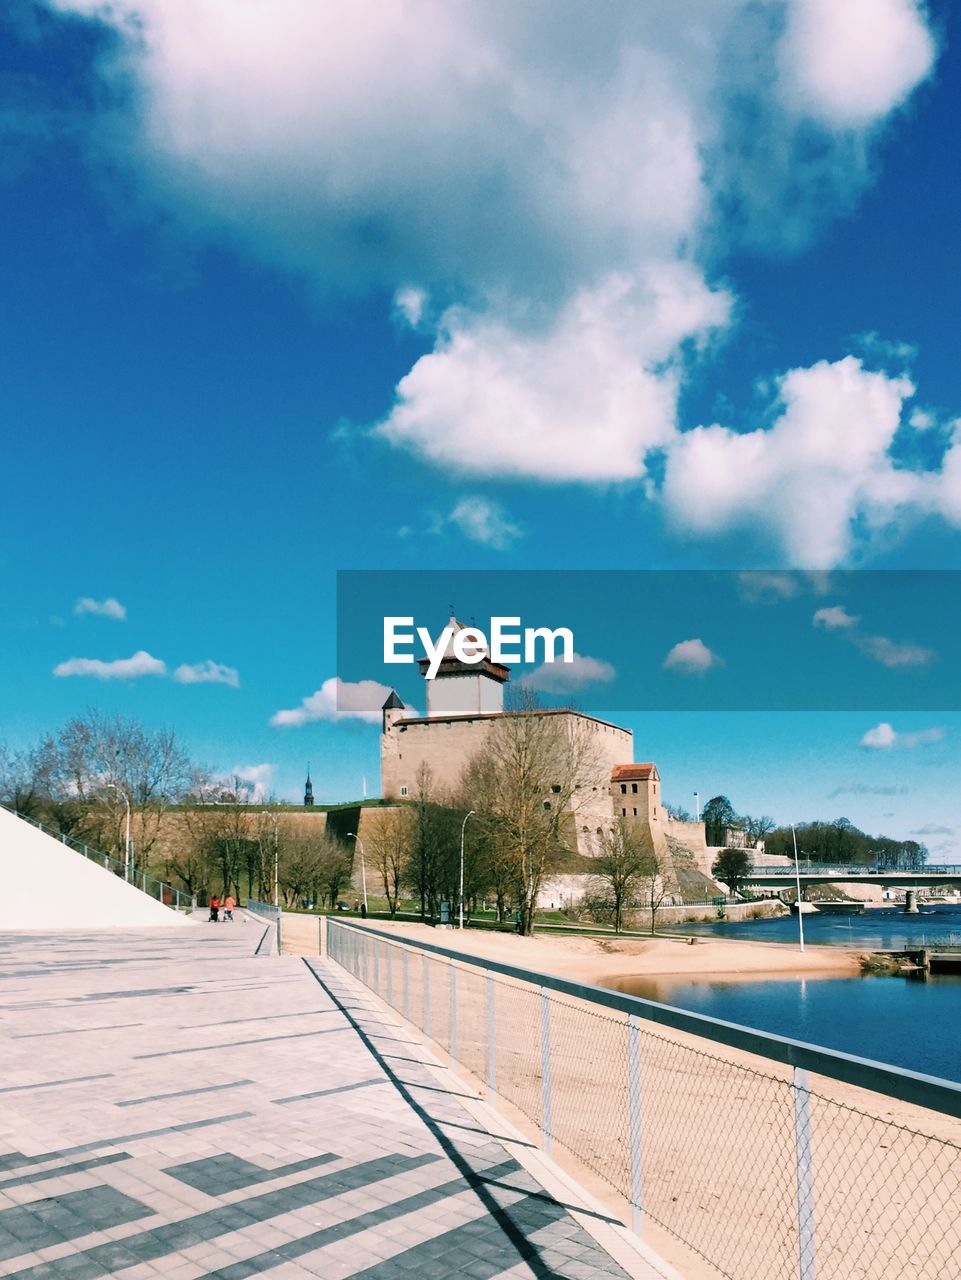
(911, 902)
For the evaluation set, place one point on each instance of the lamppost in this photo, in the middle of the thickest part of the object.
(112, 786)
(351, 835)
(697, 807)
(265, 814)
(463, 827)
(797, 881)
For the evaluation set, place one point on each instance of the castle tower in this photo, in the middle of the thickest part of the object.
(464, 688)
(392, 711)
(308, 791)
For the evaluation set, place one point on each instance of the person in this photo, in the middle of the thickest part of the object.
(229, 904)
(214, 909)
(363, 911)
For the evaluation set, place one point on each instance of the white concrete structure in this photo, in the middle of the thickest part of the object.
(47, 885)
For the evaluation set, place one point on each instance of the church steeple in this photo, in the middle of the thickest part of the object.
(308, 790)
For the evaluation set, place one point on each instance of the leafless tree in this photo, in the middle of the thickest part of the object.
(390, 836)
(623, 866)
(524, 782)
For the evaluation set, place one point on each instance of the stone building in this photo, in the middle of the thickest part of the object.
(464, 700)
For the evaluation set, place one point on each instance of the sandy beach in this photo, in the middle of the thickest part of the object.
(604, 960)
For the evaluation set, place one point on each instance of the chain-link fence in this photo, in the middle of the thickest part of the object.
(768, 1158)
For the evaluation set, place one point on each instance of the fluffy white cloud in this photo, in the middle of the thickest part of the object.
(883, 737)
(849, 62)
(823, 463)
(337, 699)
(834, 618)
(568, 677)
(558, 211)
(692, 658)
(109, 608)
(483, 521)
(587, 397)
(141, 664)
(253, 780)
(207, 673)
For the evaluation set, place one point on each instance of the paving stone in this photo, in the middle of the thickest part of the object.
(343, 1153)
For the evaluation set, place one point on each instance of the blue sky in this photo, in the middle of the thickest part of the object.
(296, 290)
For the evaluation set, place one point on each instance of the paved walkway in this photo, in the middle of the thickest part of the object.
(173, 1105)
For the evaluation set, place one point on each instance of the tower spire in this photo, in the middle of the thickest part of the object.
(308, 790)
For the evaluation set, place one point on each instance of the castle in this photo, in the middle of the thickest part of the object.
(465, 699)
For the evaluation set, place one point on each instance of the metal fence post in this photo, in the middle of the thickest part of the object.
(426, 1022)
(546, 1124)
(491, 1041)
(453, 1011)
(805, 1176)
(634, 1123)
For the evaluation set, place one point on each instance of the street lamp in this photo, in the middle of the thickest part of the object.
(797, 881)
(351, 835)
(463, 827)
(266, 814)
(697, 807)
(112, 786)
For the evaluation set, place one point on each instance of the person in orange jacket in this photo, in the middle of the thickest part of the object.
(229, 904)
(214, 909)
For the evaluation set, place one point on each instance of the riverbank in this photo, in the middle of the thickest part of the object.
(602, 961)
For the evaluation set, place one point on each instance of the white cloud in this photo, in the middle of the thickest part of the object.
(410, 305)
(558, 213)
(922, 419)
(691, 657)
(891, 653)
(883, 737)
(568, 677)
(253, 780)
(141, 664)
(586, 397)
(834, 618)
(109, 608)
(482, 520)
(823, 463)
(849, 62)
(337, 699)
(207, 673)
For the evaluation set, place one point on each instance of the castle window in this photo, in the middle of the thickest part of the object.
(635, 813)
(634, 787)
(403, 791)
(655, 811)
(547, 805)
(556, 789)
(623, 788)
(623, 813)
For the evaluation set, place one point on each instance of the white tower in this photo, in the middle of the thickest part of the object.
(464, 688)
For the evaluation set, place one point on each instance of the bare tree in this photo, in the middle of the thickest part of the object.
(623, 866)
(524, 782)
(653, 883)
(390, 836)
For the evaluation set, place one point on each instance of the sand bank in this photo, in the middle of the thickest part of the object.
(603, 960)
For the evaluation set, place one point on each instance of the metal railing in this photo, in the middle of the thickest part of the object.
(854, 869)
(712, 1131)
(159, 889)
(267, 911)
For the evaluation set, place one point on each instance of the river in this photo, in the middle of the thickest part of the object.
(907, 1022)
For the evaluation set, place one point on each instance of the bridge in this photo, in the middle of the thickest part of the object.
(787, 876)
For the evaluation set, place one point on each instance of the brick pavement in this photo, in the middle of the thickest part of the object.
(173, 1105)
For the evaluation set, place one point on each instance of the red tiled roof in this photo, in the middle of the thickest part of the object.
(634, 773)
